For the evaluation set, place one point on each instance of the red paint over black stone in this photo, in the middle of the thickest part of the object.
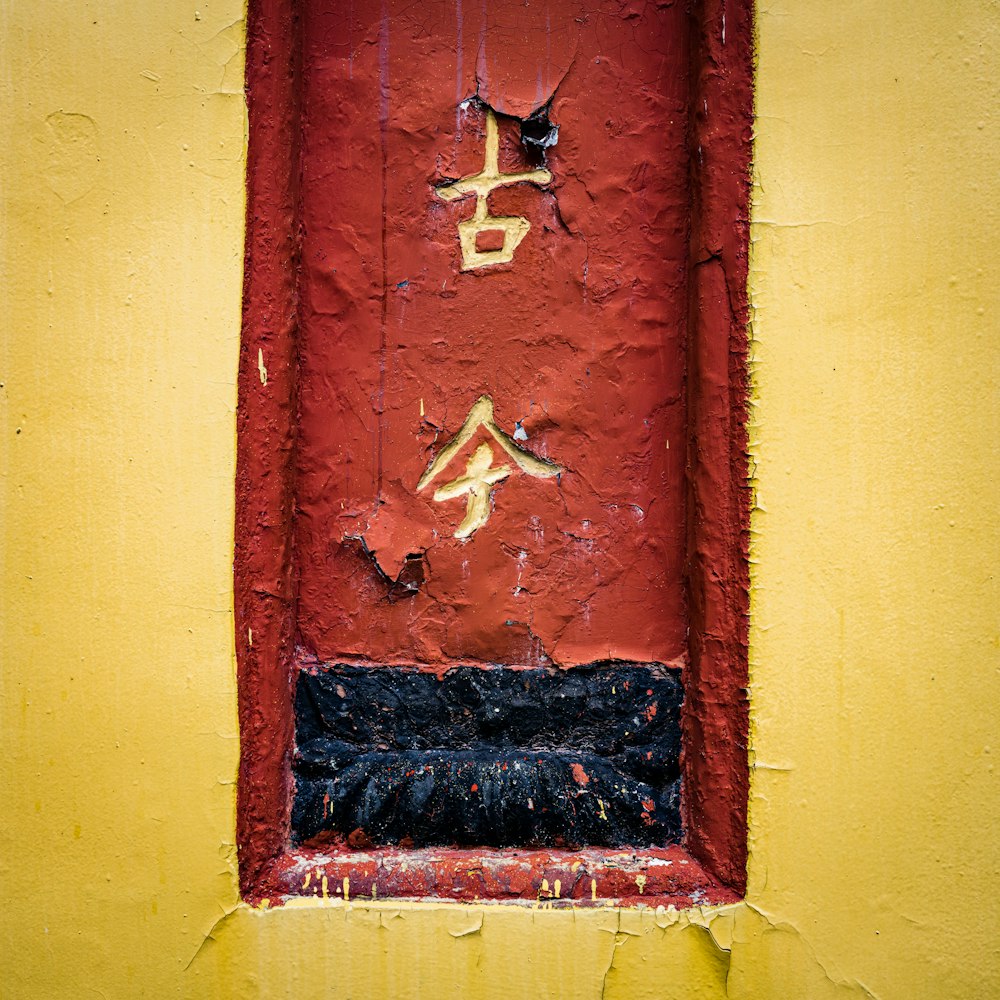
(493, 757)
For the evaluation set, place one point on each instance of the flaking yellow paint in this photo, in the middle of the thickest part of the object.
(874, 643)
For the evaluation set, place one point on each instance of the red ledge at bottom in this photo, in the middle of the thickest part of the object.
(651, 876)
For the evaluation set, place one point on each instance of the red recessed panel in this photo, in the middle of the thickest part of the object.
(578, 340)
(492, 391)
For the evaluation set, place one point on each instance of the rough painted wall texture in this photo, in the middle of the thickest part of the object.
(579, 340)
(872, 869)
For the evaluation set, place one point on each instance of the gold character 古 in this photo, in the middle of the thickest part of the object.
(513, 227)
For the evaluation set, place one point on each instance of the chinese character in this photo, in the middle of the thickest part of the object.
(478, 479)
(480, 476)
(514, 228)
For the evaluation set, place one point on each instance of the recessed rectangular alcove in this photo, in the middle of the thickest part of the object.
(491, 490)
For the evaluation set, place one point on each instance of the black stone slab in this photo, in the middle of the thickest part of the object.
(492, 757)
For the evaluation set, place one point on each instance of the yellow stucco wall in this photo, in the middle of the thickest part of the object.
(874, 646)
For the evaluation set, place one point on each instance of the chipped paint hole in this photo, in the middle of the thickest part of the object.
(538, 132)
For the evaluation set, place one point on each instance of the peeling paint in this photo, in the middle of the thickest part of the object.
(577, 336)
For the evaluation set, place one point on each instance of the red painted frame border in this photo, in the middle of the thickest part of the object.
(711, 865)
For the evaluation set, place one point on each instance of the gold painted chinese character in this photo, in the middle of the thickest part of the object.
(476, 482)
(514, 228)
(480, 477)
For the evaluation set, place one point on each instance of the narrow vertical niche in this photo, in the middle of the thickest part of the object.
(491, 569)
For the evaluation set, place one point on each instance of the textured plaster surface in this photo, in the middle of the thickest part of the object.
(873, 648)
(579, 340)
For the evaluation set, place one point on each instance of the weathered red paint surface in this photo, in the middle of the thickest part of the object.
(659, 287)
(263, 578)
(656, 877)
(579, 341)
(715, 719)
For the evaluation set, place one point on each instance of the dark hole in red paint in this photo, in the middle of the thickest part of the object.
(538, 133)
(410, 578)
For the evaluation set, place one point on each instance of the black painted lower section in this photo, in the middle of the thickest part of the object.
(491, 757)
